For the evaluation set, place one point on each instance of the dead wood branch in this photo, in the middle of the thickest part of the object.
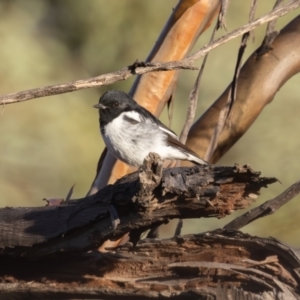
(194, 267)
(139, 68)
(225, 112)
(193, 97)
(267, 208)
(142, 200)
(260, 79)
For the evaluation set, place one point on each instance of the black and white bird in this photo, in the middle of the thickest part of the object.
(131, 132)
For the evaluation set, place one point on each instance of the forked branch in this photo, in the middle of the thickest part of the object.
(139, 68)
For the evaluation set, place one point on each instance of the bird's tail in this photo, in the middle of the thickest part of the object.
(196, 160)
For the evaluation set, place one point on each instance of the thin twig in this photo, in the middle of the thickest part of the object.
(225, 112)
(193, 97)
(142, 68)
(271, 34)
(274, 14)
(193, 100)
(238, 69)
(2, 110)
(170, 105)
(252, 10)
(217, 131)
(267, 208)
(178, 228)
(221, 18)
(271, 24)
(191, 111)
(70, 193)
(252, 15)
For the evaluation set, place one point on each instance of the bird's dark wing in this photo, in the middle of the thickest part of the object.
(177, 144)
(140, 115)
(146, 115)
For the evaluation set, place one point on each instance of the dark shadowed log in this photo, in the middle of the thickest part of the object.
(214, 264)
(151, 197)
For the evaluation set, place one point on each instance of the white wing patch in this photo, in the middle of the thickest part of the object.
(134, 117)
(131, 116)
(171, 133)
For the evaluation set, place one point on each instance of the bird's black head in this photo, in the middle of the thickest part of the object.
(112, 104)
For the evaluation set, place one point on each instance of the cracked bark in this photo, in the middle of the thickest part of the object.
(53, 251)
(142, 199)
(201, 266)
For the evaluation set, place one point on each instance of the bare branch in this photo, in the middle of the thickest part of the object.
(141, 201)
(224, 113)
(271, 24)
(252, 17)
(105, 79)
(253, 93)
(203, 266)
(271, 34)
(221, 18)
(142, 68)
(267, 208)
(193, 98)
(252, 10)
(274, 14)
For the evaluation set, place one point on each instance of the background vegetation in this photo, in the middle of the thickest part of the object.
(49, 144)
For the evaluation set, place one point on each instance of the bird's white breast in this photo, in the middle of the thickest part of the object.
(130, 138)
(131, 142)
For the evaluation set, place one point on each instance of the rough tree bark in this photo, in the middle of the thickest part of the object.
(53, 251)
(141, 199)
(222, 265)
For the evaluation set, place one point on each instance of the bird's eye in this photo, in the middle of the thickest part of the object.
(116, 104)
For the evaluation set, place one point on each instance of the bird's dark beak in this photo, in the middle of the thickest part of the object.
(99, 106)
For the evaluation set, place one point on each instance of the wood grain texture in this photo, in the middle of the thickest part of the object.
(221, 263)
(142, 200)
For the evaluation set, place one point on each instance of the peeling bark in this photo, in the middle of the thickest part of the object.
(142, 200)
(185, 267)
(52, 252)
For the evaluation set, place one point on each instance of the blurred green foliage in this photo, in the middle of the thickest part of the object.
(49, 144)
